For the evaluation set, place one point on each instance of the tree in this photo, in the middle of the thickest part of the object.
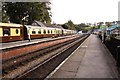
(36, 10)
(65, 26)
(69, 25)
(99, 24)
(78, 28)
(108, 24)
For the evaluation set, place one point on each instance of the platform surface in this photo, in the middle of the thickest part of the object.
(91, 60)
(27, 42)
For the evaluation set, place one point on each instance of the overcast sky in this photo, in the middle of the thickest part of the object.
(84, 11)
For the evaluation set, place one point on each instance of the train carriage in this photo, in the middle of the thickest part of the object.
(13, 32)
(39, 32)
(58, 32)
(10, 32)
(68, 32)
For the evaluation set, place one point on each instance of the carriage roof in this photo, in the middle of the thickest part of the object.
(38, 27)
(10, 25)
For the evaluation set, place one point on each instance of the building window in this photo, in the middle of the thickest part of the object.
(6, 32)
(17, 31)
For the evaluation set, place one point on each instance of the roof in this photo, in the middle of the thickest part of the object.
(37, 27)
(38, 23)
(56, 26)
(41, 24)
(61, 27)
(10, 25)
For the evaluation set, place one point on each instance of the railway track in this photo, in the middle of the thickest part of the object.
(14, 51)
(40, 63)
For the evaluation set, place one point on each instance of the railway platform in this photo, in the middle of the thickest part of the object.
(90, 60)
(27, 42)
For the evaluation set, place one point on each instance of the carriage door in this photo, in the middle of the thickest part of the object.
(21, 33)
(62, 33)
(25, 35)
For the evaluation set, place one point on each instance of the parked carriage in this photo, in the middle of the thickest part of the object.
(10, 32)
(13, 32)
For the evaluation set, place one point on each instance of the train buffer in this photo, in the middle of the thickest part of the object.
(90, 60)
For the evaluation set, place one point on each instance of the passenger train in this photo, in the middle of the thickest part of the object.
(13, 32)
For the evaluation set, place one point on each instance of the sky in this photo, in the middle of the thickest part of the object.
(84, 11)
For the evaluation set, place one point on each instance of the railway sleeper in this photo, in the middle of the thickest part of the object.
(4, 71)
(22, 63)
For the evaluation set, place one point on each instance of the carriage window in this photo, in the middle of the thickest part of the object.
(39, 32)
(44, 32)
(48, 31)
(33, 32)
(6, 32)
(17, 31)
(51, 31)
(55, 31)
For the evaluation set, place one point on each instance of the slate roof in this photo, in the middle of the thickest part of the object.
(41, 24)
(38, 23)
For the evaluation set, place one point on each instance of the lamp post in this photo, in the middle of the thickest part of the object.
(29, 34)
(23, 23)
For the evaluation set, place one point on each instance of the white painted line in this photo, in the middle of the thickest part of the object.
(53, 72)
(84, 46)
